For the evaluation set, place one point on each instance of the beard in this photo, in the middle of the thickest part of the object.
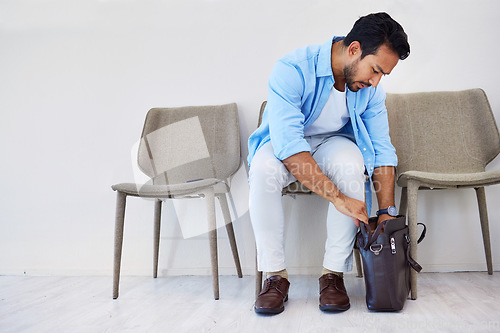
(349, 74)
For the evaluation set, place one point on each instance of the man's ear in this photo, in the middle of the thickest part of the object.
(354, 49)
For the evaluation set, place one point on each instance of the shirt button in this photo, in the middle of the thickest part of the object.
(364, 148)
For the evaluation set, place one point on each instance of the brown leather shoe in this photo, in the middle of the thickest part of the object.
(273, 296)
(332, 294)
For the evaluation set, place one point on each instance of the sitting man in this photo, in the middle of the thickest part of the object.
(325, 124)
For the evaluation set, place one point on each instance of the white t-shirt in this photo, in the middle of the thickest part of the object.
(333, 116)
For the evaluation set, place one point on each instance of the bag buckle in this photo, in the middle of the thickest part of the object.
(376, 248)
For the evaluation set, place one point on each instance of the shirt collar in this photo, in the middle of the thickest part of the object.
(325, 58)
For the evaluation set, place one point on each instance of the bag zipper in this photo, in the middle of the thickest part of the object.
(393, 245)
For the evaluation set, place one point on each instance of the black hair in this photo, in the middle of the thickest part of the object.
(374, 30)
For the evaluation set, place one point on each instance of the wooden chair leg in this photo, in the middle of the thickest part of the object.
(403, 203)
(230, 232)
(156, 236)
(212, 236)
(412, 226)
(258, 277)
(483, 216)
(359, 267)
(258, 283)
(119, 221)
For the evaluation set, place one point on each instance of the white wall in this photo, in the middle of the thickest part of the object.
(77, 78)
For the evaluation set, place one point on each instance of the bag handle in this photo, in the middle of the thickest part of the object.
(373, 237)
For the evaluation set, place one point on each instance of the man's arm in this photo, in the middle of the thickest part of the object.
(377, 125)
(383, 183)
(305, 169)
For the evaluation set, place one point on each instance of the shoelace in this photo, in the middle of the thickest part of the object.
(334, 281)
(274, 284)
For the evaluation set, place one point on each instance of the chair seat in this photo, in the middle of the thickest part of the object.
(296, 188)
(451, 180)
(172, 190)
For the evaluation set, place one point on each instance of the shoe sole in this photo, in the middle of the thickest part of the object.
(334, 308)
(267, 311)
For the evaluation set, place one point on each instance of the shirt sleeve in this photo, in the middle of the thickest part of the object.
(377, 126)
(286, 120)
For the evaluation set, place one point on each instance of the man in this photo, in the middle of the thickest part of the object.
(325, 124)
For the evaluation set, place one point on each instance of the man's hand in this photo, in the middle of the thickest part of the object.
(353, 208)
(305, 169)
(383, 217)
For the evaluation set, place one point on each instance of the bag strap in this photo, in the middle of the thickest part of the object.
(422, 235)
(415, 265)
(373, 237)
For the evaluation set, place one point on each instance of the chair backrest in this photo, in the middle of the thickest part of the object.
(262, 108)
(183, 144)
(443, 132)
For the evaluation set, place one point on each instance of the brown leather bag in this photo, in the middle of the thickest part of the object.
(386, 262)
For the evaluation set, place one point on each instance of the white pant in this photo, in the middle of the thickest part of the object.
(340, 160)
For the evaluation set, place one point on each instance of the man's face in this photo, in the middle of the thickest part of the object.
(366, 72)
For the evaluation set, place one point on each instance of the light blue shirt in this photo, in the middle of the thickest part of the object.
(299, 86)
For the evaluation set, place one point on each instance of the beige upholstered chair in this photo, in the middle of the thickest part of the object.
(294, 189)
(187, 152)
(443, 140)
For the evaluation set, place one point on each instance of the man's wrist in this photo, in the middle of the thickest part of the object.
(336, 195)
(390, 210)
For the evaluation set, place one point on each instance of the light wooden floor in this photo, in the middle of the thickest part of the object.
(448, 302)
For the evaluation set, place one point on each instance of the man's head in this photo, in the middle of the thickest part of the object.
(374, 46)
(374, 30)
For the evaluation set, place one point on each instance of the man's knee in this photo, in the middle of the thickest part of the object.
(345, 165)
(350, 179)
(347, 171)
(268, 174)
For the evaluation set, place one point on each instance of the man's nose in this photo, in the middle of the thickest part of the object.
(375, 80)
